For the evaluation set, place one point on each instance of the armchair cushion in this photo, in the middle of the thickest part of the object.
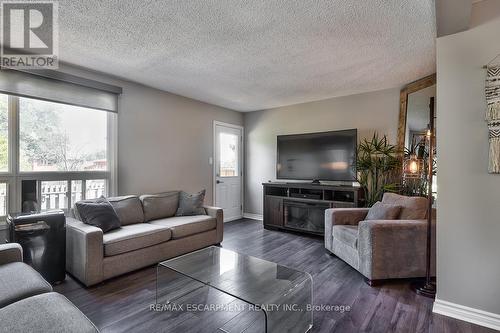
(49, 312)
(412, 208)
(347, 234)
(343, 216)
(382, 211)
(11, 252)
(19, 281)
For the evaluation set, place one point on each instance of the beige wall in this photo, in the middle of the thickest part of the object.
(164, 140)
(369, 112)
(468, 228)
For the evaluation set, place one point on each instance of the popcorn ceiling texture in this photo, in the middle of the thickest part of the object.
(255, 54)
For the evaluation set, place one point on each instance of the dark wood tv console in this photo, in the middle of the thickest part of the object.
(301, 206)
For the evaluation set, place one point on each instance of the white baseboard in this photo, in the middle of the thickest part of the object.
(253, 216)
(465, 313)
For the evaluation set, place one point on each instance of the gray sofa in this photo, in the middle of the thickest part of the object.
(150, 232)
(27, 303)
(382, 249)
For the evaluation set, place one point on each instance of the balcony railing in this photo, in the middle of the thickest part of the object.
(3, 199)
(54, 194)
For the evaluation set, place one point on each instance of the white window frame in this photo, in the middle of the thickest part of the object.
(13, 177)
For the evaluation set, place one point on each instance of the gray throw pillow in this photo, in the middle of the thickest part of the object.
(191, 204)
(382, 211)
(412, 208)
(99, 213)
(128, 208)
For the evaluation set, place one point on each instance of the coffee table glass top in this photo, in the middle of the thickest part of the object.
(253, 280)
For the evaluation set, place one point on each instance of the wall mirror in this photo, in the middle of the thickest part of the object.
(414, 122)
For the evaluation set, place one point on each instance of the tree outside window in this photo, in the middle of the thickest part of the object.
(60, 137)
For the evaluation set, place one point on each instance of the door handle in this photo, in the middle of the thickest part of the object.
(219, 182)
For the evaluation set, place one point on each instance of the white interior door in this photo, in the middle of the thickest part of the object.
(228, 168)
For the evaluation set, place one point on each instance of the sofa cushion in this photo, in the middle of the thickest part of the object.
(99, 213)
(347, 234)
(128, 208)
(18, 281)
(382, 211)
(412, 208)
(183, 226)
(133, 237)
(50, 312)
(157, 206)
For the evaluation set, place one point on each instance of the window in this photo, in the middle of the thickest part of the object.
(4, 133)
(76, 191)
(95, 188)
(228, 155)
(54, 195)
(66, 150)
(60, 137)
(3, 199)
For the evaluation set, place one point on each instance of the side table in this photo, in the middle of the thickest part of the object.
(43, 239)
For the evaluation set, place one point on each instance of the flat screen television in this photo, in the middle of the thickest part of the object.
(329, 156)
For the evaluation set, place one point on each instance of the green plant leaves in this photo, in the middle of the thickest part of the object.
(378, 166)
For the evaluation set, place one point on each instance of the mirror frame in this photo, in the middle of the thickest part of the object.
(403, 104)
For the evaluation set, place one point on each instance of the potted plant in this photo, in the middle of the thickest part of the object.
(379, 166)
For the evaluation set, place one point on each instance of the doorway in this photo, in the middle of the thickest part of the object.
(228, 169)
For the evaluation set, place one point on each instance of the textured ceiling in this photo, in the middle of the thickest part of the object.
(254, 54)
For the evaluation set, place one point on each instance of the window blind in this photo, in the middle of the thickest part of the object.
(60, 87)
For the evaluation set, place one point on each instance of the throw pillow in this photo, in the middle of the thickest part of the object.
(412, 208)
(128, 208)
(382, 211)
(158, 206)
(99, 213)
(191, 204)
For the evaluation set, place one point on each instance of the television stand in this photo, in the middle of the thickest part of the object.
(301, 206)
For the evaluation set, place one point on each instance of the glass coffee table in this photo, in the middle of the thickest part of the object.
(249, 294)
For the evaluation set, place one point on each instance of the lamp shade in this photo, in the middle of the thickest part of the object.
(413, 167)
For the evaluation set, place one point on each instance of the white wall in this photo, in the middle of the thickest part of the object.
(468, 228)
(369, 112)
(164, 140)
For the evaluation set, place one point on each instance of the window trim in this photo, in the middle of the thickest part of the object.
(7, 182)
(14, 176)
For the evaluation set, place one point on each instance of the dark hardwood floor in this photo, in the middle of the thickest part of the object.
(122, 304)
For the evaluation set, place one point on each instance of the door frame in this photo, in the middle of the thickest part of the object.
(242, 164)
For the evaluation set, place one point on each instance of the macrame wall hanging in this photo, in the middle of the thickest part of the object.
(493, 114)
